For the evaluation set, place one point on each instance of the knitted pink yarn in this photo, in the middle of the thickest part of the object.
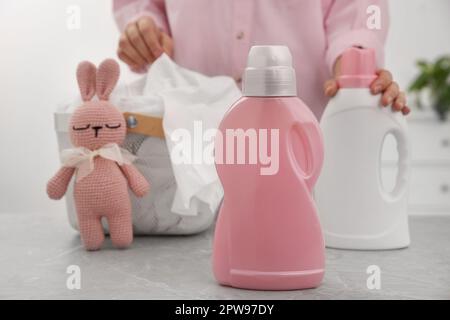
(104, 192)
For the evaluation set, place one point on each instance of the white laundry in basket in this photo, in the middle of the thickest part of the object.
(183, 198)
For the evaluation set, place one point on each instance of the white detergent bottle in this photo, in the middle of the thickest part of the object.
(355, 209)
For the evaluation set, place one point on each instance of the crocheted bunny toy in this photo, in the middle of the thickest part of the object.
(103, 170)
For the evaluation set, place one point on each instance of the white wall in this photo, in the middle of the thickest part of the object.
(37, 61)
(419, 29)
(39, 54)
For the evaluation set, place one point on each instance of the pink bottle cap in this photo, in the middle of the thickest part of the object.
(358, 68)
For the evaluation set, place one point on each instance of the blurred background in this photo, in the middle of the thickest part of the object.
(41, 46)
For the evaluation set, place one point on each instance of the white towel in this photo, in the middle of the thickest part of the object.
(184, 98)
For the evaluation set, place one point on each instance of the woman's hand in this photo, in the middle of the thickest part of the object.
(143, 42)
(382, 84)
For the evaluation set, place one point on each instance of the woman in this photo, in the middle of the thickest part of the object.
(214, 36)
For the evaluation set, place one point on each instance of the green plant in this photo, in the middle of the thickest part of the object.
(434, 76)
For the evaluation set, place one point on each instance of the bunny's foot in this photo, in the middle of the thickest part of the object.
(121, 230)
(91, 232)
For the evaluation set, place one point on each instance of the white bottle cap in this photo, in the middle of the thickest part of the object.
(269, 72)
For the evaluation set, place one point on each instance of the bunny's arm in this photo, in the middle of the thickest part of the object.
(57, 186)
(137, 182)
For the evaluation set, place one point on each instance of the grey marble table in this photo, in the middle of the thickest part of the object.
(36, 250)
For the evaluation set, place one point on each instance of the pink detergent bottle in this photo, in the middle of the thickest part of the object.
(268, 153)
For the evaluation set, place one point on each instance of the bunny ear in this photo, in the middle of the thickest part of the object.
(86, 73)
(107, 77)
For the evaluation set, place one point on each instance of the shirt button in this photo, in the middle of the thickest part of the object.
(240, 35)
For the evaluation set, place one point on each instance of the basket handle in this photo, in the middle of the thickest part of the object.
(144, 124)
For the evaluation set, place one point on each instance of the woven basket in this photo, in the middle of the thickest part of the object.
(152, 214)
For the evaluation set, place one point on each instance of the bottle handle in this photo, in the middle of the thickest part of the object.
(401, 183)
(310, 135)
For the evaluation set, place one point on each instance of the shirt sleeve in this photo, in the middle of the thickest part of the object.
(355, 23)
(126, 11)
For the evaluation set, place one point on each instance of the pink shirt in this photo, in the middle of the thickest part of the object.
(214, 36)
